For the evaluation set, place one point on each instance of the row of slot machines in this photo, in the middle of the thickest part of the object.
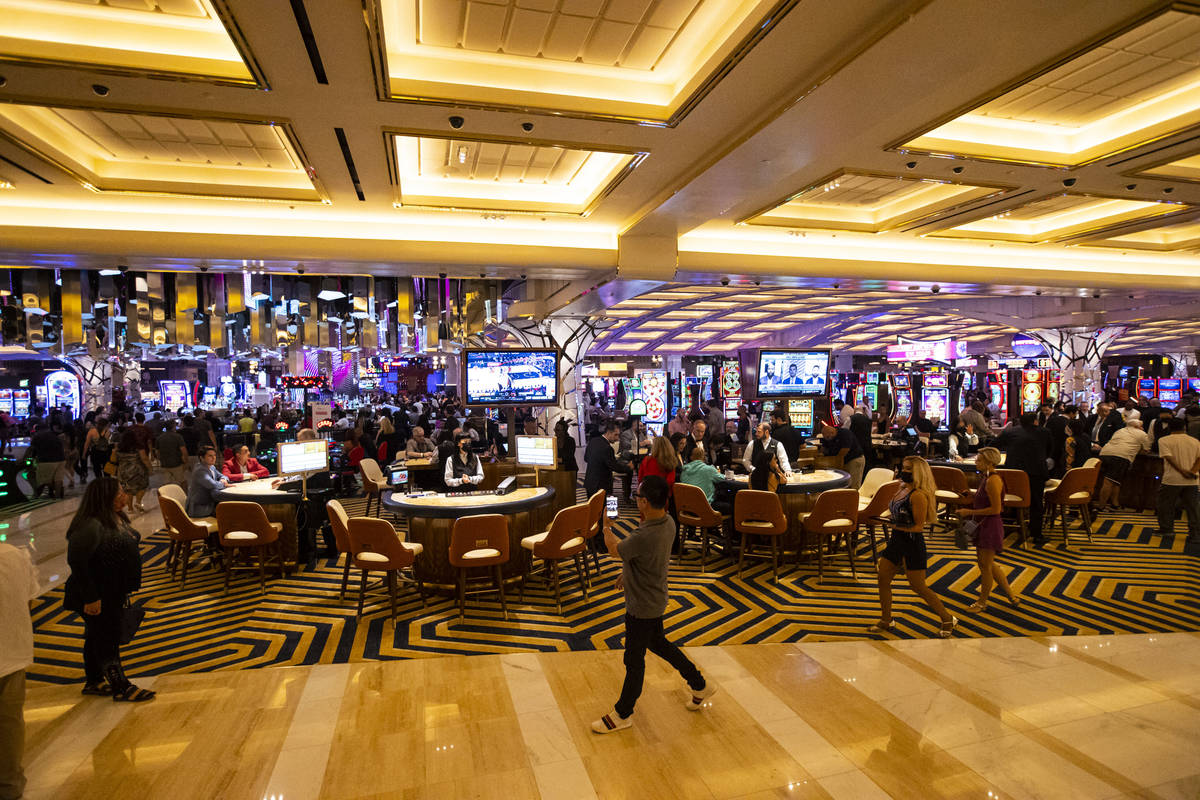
(1167, 391)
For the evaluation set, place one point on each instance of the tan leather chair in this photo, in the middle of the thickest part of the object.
(693, 510)
(244, 526)
(877, 512)
(183, 531)
(375, 546)
(952, 494)
(834, 515)
(478, 542)
(339, 522)
(173, 491)
(1074, 491)
(374, 483)
(565, 538)
(596, 511)
(759, 514)
(1017, 497)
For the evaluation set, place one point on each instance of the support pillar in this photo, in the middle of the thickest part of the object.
(1182, 363)
(1076, 353)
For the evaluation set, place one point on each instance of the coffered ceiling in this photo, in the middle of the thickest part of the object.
(673, 142)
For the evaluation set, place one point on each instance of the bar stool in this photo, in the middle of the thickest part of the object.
(694, 511)
(952, 494)
(875, 477)
(339, 521)
(1074, 491)
(565, 538)
(758, 513)
(833, 515)
(1017, 497)
(373, 483)
(377, 547)
(183, 532)
(876, 512)
(596, 508)
(477, 542)
(175, 492)
(244, 526)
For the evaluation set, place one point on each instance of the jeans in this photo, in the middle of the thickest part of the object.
(12, 735)
(647, 634)
(1168, 501)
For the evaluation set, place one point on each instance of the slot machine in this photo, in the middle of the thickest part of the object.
(903, 399)
(1194, 385)
(1032, 390)
(1148, 388)
(1052, 385)
(1170, 392)
(867, 391)
(6, 401)
(800, 411)
(730, 386)
(174, 395)
(997, 383)
(21, 400)
(62, 391)
(935, 398)
(654, 392)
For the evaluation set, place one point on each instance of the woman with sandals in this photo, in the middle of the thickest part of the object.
(913, 507)
(989, 533)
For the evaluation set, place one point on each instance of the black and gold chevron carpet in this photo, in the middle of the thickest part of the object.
(1127, 580)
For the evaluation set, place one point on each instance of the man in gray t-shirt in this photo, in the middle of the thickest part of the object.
(645, 555)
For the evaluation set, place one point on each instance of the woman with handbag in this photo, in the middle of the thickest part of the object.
(106, 567)
(989, 528)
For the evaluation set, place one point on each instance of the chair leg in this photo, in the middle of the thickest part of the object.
(171, 557)
(1023, 522)
(391, 581)
(741, 554)
(262, 569)
(462, 592)
(820, 557)
(554, 577)
(229, 553)
(581, 573)
(362, 592)
(345, 576)
(775, 559)
(703, 549)
(871, 533)
(850, 543)
(1086, 512)
(187, 557)
(1062, 518)
(420, 588)
(500, 588)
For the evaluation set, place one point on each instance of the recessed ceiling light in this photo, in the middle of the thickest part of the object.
(6, 184)
(108, 273)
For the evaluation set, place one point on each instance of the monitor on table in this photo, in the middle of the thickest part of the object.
(536, 451)
(398, 476)
(297, 457)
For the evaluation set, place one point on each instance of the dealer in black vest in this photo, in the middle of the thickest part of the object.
(463, 466)
(763, 441)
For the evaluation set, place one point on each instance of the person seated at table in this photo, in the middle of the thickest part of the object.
(662, 461)
(464, 466)
(764, 441)
(242, 467)
(205, 483)
(419, 446)
(698, 472)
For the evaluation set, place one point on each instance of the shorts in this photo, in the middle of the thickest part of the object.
(907, 548)
(1114, 468)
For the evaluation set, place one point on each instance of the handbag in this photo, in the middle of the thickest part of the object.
(965, 536)
(131, 619)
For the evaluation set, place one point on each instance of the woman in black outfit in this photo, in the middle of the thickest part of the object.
(565, 444)
(106, 566)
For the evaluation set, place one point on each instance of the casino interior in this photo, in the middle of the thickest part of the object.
(381, 312)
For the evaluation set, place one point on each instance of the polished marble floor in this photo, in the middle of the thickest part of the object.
(1057, 717)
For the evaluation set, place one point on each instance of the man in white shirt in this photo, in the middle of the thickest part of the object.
(1181, 480)
(763, 441)
(18, 588)
(1115, 458)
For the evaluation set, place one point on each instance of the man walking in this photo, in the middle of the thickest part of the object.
(1180, 482)
(18, 588)
(645, 555)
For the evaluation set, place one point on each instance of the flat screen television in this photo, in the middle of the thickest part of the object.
(297, 457)
(511, 377)
(793, 373)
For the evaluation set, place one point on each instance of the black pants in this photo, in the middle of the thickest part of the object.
(647, 634)
(98, 458)
(1037, 506)
(102, 642)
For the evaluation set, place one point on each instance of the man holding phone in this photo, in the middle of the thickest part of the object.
(645, 555)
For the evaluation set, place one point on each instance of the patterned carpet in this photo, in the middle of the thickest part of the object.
(1127, 580)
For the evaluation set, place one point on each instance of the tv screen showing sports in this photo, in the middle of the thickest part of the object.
(511, 377)
(783, 373)
(536, 451)
(297, 457)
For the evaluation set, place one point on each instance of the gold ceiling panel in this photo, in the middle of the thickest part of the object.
(869, 202)
(1130, 87)
(141, 153)
(187, 39)
(1061, 217)
(631, 60)
(1164, 238)
(504, 175)
(1179, 169)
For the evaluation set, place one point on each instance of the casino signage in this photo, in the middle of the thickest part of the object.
(944, 350)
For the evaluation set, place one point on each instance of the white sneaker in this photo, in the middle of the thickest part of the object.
(698, 700)
(610, 723)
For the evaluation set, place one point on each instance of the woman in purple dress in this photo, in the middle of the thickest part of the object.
(989, 535)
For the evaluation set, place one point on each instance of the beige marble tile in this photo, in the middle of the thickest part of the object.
(1092, 685)
(853, 785)
(808, 748)
(946, 719)
(1023, 768)
(1182, 789)
(298, 773)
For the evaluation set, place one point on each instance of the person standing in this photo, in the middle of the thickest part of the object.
(1180, 482)
(1102, 425)
(989, 533)
(697, 438)
(172, 455)
(18, 588)
(663, 461)
(645, 556)
(1116, 457)
(860, 428)
(840, 441)
(133, 464)
(600, 462)
(679, 423)
(762, 442)
(1027, 447)
(783, 432)
(46, 447)
(106, 567)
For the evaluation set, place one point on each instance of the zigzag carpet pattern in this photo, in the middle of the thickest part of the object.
(1126, 581)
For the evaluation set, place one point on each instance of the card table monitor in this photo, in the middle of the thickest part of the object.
(536, 451)
(295, 458)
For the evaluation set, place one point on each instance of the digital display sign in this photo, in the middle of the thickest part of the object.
(511, 377)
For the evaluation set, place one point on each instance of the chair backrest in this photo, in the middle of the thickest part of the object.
(173, 491)
(693, 508)
(1076, 487)
(370, 469)
(875, 477)
(339, 521)
(1016, 483)
(1092, 463)
(239, 515)
(179, 524)
(595, 505)
(951, 479)
(834, 508)
(752, 505)
(567, 535)
(477, 532)
(880, 502)
(377, 536)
